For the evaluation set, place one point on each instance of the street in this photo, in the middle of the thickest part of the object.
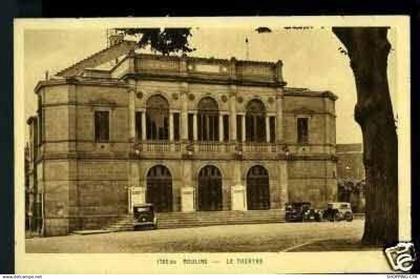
(229, 238)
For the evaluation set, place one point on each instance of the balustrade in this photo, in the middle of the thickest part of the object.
(206, 147)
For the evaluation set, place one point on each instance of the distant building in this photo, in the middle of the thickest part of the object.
(351, 175)
(350, 161)
(187, 134)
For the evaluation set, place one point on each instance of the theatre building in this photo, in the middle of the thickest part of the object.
(196, 137)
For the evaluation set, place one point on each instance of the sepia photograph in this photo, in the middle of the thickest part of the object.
(213, 142)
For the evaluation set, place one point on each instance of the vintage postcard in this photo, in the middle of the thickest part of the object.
(212, 145)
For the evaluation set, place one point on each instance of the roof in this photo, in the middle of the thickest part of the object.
(98, 58)
(296, 91)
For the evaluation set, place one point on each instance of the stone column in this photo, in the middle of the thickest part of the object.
(184, 111)
(171, 126)
(221, 127)
(133, 174)
(283, 183)
(232, 112)
(279, 115)
(136, 194)
(195, 134)
(132, 110)
(327, 125)
(267, 128)
(243, 128)
(143, 126)
(187, 190)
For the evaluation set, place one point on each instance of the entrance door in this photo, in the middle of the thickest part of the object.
(159, 188)
(210, 189)
(257, 188)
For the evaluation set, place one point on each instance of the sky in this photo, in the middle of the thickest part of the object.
(311, 59)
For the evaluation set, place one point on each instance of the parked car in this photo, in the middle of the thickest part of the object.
(144, 216)
(302, 212)
(338, 211)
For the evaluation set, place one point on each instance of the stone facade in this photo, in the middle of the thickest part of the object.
(86, 184)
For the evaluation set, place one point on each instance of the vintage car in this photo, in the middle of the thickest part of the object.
(338, 211)
(144, 216)
(302, 212)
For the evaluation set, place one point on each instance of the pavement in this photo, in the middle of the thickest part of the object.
(292, 237)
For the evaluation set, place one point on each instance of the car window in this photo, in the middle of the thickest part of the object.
(344, 206)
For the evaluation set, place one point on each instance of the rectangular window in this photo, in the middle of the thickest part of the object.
(139, 126)
(239, 127)
(190, 126)
(101, 126)
(225, 127)
(176, 126)
(272, 121)
(302, 130)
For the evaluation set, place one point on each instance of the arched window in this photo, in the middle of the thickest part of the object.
(157, 118)
(255, 121)
(208, 120)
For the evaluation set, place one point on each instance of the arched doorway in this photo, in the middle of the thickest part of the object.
(208, 120)
(210, 189)
(157, 118)
(257, 188)
(159, 188)
(255, 121)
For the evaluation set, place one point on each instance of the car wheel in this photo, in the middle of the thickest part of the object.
(338, 216)
(348, 217)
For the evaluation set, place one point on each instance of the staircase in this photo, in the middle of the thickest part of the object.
(125, 223)
(205, 218)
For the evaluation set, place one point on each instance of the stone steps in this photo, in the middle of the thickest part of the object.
(209, 218)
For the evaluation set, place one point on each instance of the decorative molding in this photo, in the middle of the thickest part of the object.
(102, 102)
(303, 110)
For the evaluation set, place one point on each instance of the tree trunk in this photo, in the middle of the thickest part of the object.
(368, 50)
